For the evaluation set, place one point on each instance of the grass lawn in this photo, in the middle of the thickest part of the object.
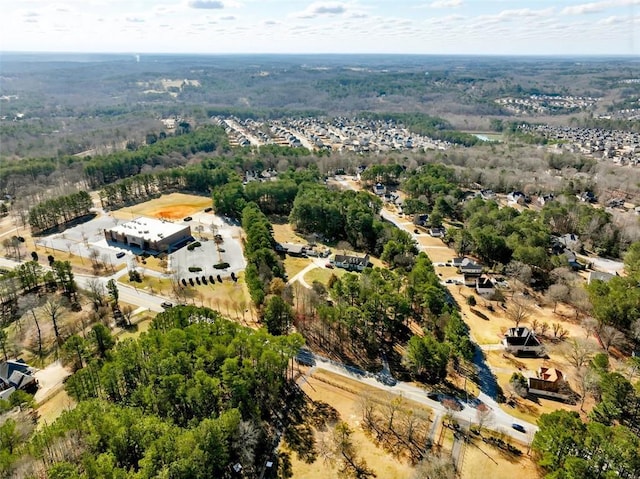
(150, 283)
(294, 265)
(80, 264)
(142, 323)
(322, 275)
(174, 206)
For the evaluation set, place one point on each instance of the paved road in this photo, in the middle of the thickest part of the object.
(499, 420)
(128, 294)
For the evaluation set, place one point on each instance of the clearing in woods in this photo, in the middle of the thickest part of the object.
(174, 206)
(321, 386)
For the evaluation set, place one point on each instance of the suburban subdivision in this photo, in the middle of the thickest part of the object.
(233, 291)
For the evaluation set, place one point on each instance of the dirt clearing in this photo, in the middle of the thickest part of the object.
(346, 402)
(174, 206)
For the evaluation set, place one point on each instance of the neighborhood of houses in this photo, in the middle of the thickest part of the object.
(622, 147)
(544, 104)
(339, 134)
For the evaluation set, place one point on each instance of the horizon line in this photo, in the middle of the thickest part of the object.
(133, 52)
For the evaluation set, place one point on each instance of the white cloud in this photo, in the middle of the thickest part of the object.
(206, 4)
(525, 13)
(228, 18)
(584, 8)
(323, 8)
(134, 19)
(445, 3)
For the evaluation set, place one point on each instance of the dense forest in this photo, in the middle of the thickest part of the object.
(193, 397)
(60, 211)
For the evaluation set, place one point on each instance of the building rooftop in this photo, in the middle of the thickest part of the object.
(149, 229)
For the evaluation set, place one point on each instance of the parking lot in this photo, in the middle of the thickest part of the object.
(207, 255)
(82, 239)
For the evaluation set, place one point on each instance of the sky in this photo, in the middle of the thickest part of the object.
(500, 27)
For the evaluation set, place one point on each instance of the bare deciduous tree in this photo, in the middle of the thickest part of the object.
(97, 292)
(586, 381)
(435, 466)
(610, 336)
(519, 309)
(53, 308)
(557, 293)
(577, 351)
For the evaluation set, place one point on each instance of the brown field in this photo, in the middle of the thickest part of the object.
(342, 393)
(321, 387)
(284, 233)
(173, 206)
(485, 461)
(53, 407)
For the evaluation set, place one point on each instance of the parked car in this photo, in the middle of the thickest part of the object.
(386, 379)
(328, 265)
(207, 210)
(166, 305)
(416, 231)
(188, 218)
(120, 255)
(518, 427)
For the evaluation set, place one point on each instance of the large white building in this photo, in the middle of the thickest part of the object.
(149, 235)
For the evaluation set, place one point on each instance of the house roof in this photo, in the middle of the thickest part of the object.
(521, 336)
(16, 373)
(294, 248)
(601, 275)
(484, 283)
(149, 229)
(348, 259)
(550, 374)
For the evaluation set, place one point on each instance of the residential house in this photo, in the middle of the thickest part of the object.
(522, 340)
(599, 275)
(420, 219)
(15, 375)
(292, 249)
(588, 197)
(544, 199)
(485, 287)
(470, 267)
(571, 241)
(350, 263)
(379, 189)
(574, 264)
(487, 195)
(457, 261)
(517, 197)
(549, 382)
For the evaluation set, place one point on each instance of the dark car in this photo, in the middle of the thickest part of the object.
(416, 231)
(518, 427)
(188, 218)
(166, 305)
(386, 379)
(120, 255)
(206, 210)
